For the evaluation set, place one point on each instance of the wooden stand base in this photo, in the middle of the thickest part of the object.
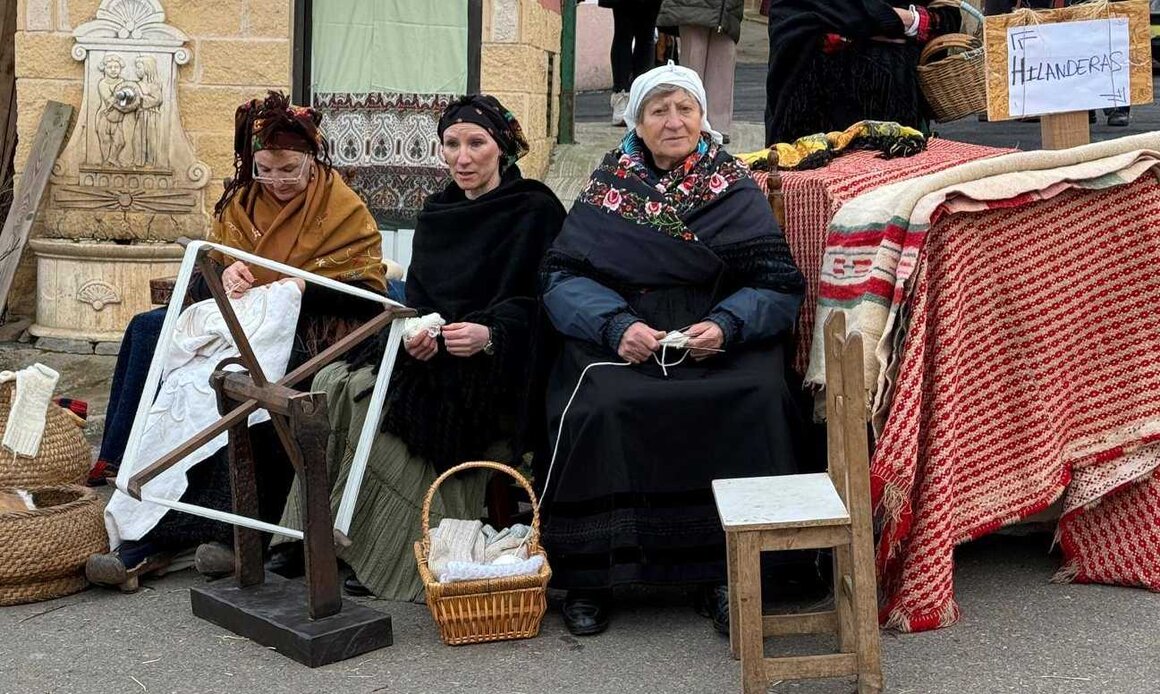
(273, 614)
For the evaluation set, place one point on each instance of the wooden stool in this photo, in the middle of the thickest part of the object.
(809, 512)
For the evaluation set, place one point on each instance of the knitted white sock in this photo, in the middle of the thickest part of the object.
(30, 402)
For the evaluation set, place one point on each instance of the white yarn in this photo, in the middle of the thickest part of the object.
(432, 323)
(674, 339)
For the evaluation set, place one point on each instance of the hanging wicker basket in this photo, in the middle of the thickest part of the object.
(65, 457)
(487, 610)
(955, 84)
(43, 552)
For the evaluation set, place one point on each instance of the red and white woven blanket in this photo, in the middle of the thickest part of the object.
(1028, 368)
(812, 198)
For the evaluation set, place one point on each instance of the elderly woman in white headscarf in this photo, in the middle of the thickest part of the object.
(672, 266)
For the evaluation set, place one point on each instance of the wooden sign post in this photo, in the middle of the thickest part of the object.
(1059, 64)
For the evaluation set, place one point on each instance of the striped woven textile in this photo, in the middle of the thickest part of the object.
(812, 198)
(1030, 368)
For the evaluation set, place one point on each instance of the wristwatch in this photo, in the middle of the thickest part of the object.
(489, 348)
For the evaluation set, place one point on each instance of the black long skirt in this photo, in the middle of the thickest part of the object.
(629, 498)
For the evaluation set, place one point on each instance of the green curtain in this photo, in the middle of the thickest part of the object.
(409, 46)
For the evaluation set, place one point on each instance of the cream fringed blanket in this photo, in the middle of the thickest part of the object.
(1010, 302)
(186, 403)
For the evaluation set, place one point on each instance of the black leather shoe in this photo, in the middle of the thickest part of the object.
(288, 560)
(586, 613)
(354, 587)
(712, 602)
(719, 608)
(1119, 119)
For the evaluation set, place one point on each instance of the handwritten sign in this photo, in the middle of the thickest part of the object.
(1087, 56)
(1074, 66)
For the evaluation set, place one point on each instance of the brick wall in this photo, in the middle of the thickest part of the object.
(521, 39)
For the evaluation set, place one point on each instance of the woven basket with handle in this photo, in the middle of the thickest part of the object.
(486, 610)
(64, 456)
(43, 552)
(955, 84)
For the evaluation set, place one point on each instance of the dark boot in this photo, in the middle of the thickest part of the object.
(353, 586)
(288, 560)
(712, 601)
(586, 612)
(214, 560)
(124, 567)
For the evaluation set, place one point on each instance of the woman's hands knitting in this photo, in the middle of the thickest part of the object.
(465, 339)
(422, 347)
(639, 343)
(705, 339)
(237, 279)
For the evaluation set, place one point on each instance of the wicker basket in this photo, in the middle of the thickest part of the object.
(43, 552)
(65, 457)
(486, 610)
(955, 85)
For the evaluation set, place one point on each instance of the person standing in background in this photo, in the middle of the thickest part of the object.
(634, 26)
(710, 30)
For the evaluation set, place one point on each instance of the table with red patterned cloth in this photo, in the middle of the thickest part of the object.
(813, 197)
(1030, 369)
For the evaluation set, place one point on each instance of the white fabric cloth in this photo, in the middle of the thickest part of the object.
(30, 402)
(455, 540)
(186, 403)
(467, 550)
(468, 571)
(676, 76)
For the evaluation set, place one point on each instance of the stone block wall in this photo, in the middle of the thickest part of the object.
(521, 68)
(240, 49)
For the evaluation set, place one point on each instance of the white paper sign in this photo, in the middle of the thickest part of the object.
(1070, 66)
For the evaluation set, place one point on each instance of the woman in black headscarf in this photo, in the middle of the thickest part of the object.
(468, 392)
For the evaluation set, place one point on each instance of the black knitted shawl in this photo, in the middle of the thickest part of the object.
(475, 261)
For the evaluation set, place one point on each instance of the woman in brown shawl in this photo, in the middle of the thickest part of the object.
(283, 203)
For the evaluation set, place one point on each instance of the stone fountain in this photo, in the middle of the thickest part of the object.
(128, 183)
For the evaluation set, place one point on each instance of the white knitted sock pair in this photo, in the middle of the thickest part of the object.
(25, 426)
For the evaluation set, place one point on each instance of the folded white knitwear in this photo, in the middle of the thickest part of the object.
(466, 550)
(29, 411)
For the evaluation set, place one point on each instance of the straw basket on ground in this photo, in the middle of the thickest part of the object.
(64, 456)
(486, 610)
(955, 84)
(43, 552)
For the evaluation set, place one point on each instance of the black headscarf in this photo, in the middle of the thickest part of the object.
(488, 113)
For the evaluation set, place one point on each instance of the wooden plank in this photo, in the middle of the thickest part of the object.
(1064, 130)
(750, 630)
(18, 224)
(810, 666)
(803, 538)
(805, 623)
(865, 586)
(7, 93)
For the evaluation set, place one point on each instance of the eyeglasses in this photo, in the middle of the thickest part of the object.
(283, 180)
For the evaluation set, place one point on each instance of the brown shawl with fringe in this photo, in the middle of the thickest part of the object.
(326, 230)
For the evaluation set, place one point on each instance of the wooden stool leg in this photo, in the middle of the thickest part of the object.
(750, 630)
(869, 647)
(731, 568)
(843, 601)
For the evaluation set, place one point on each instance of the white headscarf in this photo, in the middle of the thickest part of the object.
(676, 76)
